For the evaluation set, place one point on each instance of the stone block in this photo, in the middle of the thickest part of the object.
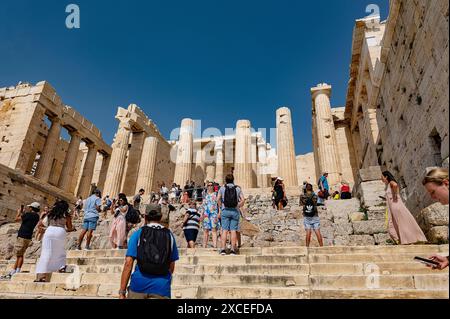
(9, 229)
(382, 238)
(343, 229)
(434, 215)
(341, 240)
(361, 240)
(357, 217)
(370, 192)
(369, 227)
(376, 213)
(372, 173)
(438, 235)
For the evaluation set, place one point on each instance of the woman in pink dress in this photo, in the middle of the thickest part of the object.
(118, 231)
(403, 227)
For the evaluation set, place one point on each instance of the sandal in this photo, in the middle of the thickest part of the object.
(63, 270)
(41, 280)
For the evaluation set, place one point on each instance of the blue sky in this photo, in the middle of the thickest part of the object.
(215, 61)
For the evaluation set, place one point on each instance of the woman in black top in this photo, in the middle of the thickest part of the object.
(280, 194)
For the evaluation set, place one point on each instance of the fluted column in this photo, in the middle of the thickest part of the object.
(262, 163)
(45, 164)
(219, 162)
(326, 136)
(118, 158)
(103, 171)
(210, 172)
(199, 173)
(134, 159)
(243, 166)
(88, 171)
(287, 165)
(148, 165)
(183, 168)
(69, 162)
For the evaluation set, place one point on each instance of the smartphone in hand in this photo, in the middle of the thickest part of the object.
(428, 262)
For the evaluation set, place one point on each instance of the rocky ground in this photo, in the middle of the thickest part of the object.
(343, 222)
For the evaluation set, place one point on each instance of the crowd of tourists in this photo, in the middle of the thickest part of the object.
(218, 210)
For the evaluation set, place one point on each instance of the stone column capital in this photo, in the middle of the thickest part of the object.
(322, 88)
(125, 125)
(75, 134)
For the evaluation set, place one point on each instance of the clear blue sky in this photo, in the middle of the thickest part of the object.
(218, 61)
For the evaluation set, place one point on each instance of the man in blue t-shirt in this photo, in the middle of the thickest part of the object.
(92, 208)
(323, 185)
(145, 286)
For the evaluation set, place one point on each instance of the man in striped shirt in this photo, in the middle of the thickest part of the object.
(191, 224)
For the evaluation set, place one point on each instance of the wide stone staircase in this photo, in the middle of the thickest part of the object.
(258, 272)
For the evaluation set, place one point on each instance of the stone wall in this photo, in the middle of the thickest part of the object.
(18, 189)
(343, 223)
(345, 145)
(414, 95)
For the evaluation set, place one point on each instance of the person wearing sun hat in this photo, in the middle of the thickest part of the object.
(29, 218)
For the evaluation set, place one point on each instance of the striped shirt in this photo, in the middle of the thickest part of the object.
(193, 221)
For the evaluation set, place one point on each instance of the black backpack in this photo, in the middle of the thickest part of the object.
(309, 209)
(133, 215)
(154, 251)
(230, 199)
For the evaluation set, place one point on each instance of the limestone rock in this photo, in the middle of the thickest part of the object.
(372, 173)
(248, 229)
(376, 213)
(438, 235)
(434, 215)
(9, 229)
(382, 238)
(341, 240)
(357, 217)
(370, 192)
(343, 229)
(361, 240)
(369, 227)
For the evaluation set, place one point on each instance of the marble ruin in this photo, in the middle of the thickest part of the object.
(395, 118)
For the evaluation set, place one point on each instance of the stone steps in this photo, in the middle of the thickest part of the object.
(274, 251)
(385, 268)
(365, 258)
(422, 281)
(270, 272)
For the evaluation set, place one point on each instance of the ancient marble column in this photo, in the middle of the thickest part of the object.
(219, 178)
(66, 176)
(243, 166)
(133, 162)
(210, 172)
(326, 136)
(287, 164)
(183, 168)
(199, 165)
(45, 164)
(262, 162)
(87, 172)
(103, 171)
(148, 165)
(118, 158)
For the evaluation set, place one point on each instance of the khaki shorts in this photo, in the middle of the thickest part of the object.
(138, 295)
(21, 246)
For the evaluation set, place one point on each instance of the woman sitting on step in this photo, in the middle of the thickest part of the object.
(53, 252)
